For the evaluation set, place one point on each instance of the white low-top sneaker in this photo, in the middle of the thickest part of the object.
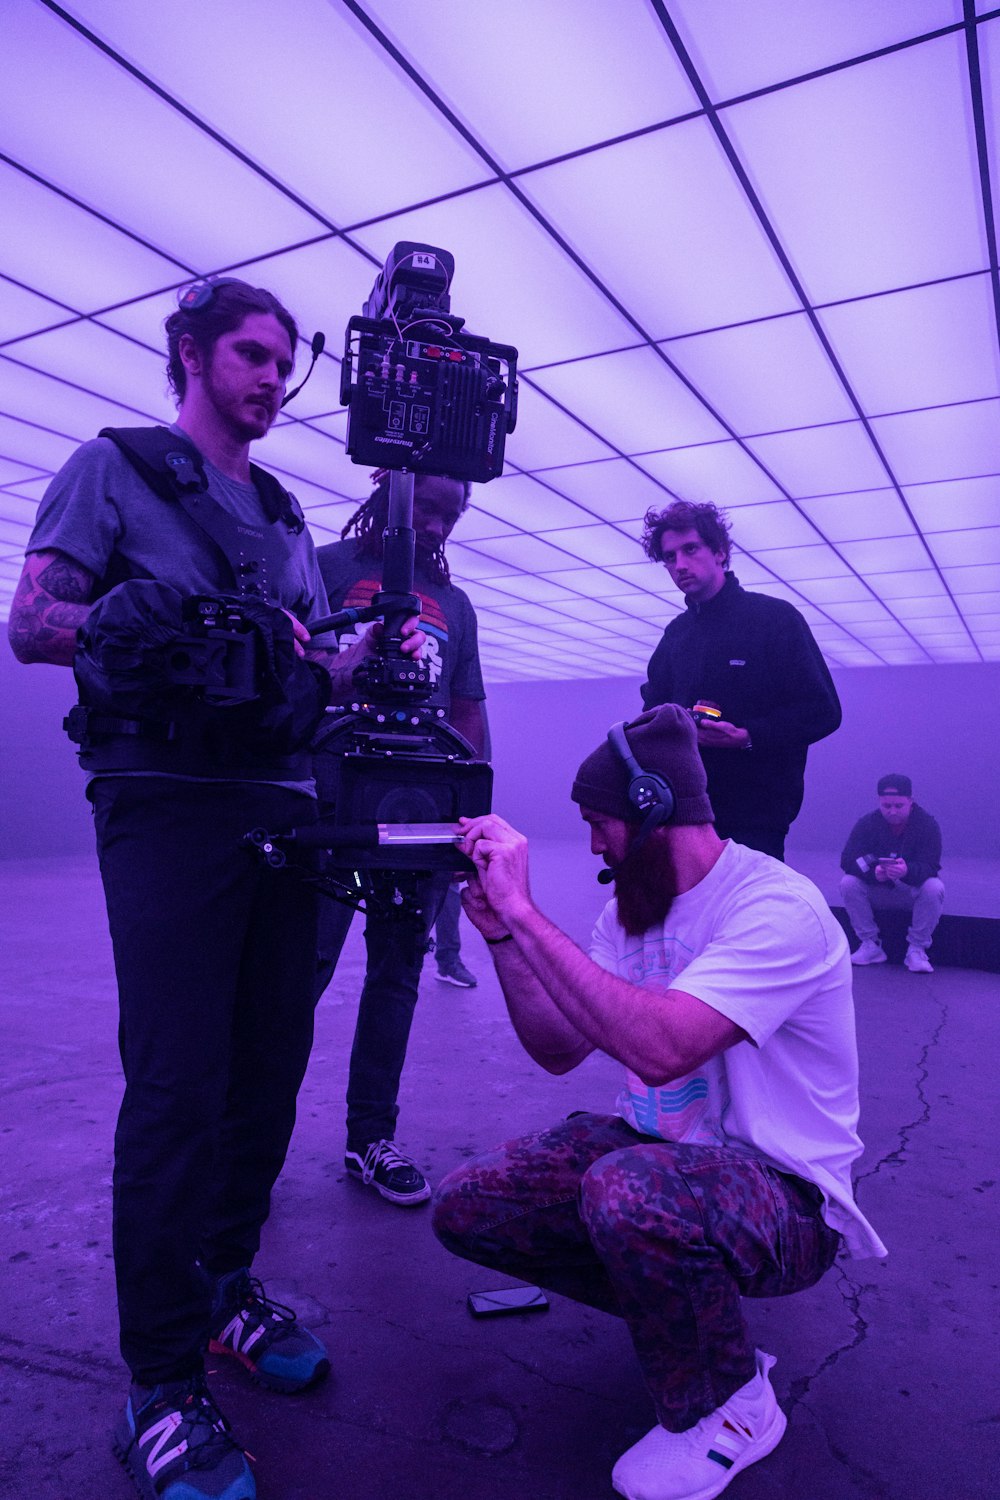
(870, 952)
(699, 1463)
(917, 962)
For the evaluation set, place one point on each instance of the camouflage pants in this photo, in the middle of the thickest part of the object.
(669, 1237)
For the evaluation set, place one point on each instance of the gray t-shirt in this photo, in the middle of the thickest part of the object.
(98, 509)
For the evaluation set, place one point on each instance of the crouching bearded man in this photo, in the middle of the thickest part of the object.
(722, 983)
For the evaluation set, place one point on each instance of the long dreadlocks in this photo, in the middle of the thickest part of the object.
(371, 518)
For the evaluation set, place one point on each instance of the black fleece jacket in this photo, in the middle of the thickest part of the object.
(756, 658)
(919, 844)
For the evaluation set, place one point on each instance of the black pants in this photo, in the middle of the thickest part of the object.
(215, 957)
(385, 1010)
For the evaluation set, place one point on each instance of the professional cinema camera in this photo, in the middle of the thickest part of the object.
(423, 397)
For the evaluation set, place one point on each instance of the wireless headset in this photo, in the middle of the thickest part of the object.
(193, 298)
(650, 795)
(197, 296)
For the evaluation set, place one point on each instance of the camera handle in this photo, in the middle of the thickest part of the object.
(392, 673)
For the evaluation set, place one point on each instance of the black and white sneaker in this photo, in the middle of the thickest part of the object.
(389, 1172)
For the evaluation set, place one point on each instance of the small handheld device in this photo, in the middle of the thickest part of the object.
(507, 1299)
(706, 712)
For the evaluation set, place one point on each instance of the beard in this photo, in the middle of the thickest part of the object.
(645, 887)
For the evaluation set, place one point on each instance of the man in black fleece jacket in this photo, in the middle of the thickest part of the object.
(754, 661)
(892, 859)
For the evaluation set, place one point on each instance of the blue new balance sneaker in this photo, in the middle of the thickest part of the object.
(176, 1445)
(264, 1336)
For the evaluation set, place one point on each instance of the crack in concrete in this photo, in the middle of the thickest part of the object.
(870, 1485)
(897, 1155)
(851, 1292)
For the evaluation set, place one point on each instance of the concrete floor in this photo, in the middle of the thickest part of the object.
(887, 1372)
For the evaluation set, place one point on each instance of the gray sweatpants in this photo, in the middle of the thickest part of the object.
(926, 901)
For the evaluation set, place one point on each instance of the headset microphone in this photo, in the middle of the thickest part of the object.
(316, 348)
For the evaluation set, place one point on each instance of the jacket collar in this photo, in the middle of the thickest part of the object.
(718, 602)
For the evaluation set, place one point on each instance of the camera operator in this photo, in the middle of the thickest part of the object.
(753, 662)
(721, 982)
(351, 570)
(214, 956)
(891, 862)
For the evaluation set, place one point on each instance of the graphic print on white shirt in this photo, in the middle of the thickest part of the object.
(691, 1108)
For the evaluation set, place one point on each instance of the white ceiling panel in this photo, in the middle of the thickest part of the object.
(324, 75)
(529, 505)
(136, 160)
(709, 263)
(587, 44)
(764, 375)
(963, 503)
(946, 442)
(802, 460)
(742, 45)
(902, 152)
(924, 347)
(973, 580)
(955, 548)
(660, 410)
(94, 359)
(201, 201)
(721, 472)
(775, 525)
(614, 489)
(37, 228)
(851, 518)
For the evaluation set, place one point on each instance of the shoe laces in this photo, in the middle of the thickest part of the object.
(275, 1315)
(208, 1434)
(386, 1154)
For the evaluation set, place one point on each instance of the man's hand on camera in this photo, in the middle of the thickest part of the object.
(500, 855)
(718, 734)
(412, 643)
(891, 869)
(302, 636)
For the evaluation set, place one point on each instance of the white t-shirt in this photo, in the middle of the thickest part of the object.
(757, 942)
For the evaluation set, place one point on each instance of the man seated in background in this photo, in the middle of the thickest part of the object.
(891, 862)
(720, 980)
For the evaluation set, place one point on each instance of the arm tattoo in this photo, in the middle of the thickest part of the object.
(49, 607)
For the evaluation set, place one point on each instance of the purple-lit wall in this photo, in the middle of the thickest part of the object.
(940, 724)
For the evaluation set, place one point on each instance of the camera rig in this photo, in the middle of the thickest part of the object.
(393, 776)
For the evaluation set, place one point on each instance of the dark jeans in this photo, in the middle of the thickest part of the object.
(767, 840)
(669, 1237)
(385, 1010)
(447, 943)
(215, 961)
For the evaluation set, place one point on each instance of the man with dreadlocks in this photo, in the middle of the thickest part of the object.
(351, 570)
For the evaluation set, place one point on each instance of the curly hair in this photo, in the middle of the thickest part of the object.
(371, 518)
(707, 520)
(232, 301)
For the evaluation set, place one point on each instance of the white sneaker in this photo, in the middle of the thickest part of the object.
(917, 962)
(870, 952)
(699, 1463)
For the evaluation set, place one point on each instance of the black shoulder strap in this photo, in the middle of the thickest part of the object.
(167, 462)
(172, 466)
(253, 555)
